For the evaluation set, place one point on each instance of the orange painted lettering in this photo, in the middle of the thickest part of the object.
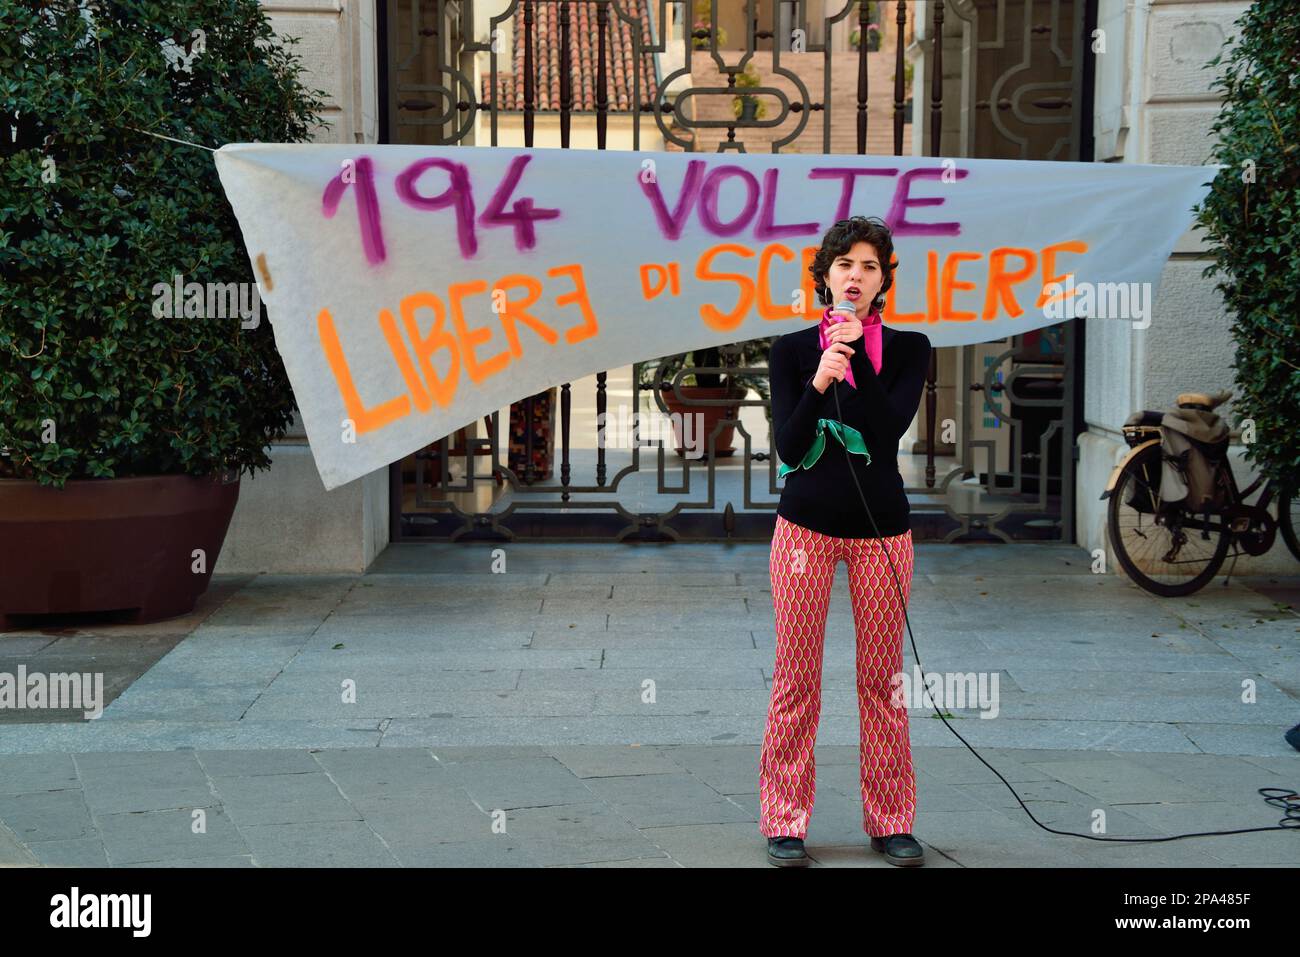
(1001, 280)
(766, 307)
(513, 313)
(713, 318)
(469, 338)
(651, 287)
(589, 325)
(950, 283)
(367, 420)
(932, 286)
(888, 315)
(809, 253)
(425, 346)
(1049, 268)
(389, 327)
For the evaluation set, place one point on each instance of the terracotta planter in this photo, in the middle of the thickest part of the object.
(711, 413)
(748, 109)
(110, 544)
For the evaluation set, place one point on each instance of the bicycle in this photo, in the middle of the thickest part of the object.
(1166, 548)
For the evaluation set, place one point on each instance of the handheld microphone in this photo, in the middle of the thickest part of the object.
(845, 305)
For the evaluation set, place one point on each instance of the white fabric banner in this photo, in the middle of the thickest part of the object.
(415, 289)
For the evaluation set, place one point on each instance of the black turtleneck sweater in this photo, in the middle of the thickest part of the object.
(882, 406)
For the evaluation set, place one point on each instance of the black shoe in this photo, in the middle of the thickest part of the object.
(786, 852)
(901, 849)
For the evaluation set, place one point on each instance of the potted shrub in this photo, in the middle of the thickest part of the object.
(702, 21)
(873, 38)
(132, 394)
(873, 30)
(746, 107)
(657, 376)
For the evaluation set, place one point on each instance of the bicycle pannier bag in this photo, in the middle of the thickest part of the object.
(1194, 443)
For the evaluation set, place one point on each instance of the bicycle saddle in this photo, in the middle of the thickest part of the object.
(1145, 417)
(1202, 401)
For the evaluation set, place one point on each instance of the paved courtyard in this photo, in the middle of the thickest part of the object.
(604, 706)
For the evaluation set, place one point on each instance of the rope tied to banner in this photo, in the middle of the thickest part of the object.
(171, 139)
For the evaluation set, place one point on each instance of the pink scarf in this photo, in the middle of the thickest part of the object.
(871, 335)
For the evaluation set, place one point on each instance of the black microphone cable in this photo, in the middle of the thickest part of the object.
(1288, 800)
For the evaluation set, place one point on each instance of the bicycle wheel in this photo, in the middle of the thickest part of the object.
(1163, 549)
(1288, 515)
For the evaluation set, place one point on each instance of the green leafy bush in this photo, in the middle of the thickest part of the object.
(1252, 220)
(95, 214)
(748, 78)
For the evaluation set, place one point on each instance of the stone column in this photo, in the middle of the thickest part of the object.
(285, 521)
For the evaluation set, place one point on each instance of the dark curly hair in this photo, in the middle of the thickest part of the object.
(840, 238)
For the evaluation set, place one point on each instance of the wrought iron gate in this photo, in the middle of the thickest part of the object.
(584, 66)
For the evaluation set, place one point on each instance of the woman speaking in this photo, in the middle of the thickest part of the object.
(878, 374)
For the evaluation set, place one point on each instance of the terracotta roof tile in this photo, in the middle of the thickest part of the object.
(583, 40)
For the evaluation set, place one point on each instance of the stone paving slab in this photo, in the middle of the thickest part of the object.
(682, 679)
(315, 681)
(375, 703)
(141, 837)
(128, 736)
(83, 852)
(604, 706)
(622, 636)
(634, 806)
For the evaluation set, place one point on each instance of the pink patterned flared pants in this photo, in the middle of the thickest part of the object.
(803, 566)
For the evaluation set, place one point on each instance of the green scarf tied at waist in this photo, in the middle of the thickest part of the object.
(848, 436)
